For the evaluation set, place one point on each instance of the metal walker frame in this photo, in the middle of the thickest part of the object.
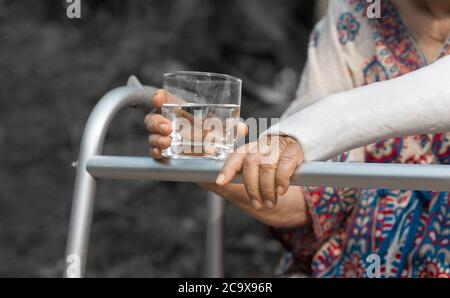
(92, 166)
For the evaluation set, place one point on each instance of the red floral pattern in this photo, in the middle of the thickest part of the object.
(408, 230)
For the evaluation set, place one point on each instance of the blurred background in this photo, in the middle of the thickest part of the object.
(54, 69)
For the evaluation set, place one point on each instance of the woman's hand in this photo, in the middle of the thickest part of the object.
(159, 128)
(266, 166)
(291, 210)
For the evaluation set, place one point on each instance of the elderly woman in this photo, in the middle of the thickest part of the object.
(331, 232)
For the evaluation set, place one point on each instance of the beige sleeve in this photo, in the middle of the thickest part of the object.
(326, 70)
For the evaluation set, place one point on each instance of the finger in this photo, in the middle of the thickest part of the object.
(242, 129)
(187, 131)
(158, 99)
(171, 98)
(213, 139)
(157, 124)
(234, 164)
(180, 113)
(250, 173)
(289, 159)
(158, 141)
(155, 153)
(267, 174)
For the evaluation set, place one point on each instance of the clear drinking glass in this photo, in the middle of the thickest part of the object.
(204, 109)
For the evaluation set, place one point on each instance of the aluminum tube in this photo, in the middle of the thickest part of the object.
(357, 175)
(91, 145)
(214, 236)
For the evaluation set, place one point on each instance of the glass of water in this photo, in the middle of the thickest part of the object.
(204, 109)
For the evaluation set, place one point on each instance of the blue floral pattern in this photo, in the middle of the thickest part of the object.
(348, 27)
(375, 72)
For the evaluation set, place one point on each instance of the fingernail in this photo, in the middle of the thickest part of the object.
(256, 204)
(280, 190)
(220, 178)
(164, 128)
(269, 204)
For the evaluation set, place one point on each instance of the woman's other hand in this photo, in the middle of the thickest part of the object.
(267, 166)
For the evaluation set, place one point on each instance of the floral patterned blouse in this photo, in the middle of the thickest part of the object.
(407, 233)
